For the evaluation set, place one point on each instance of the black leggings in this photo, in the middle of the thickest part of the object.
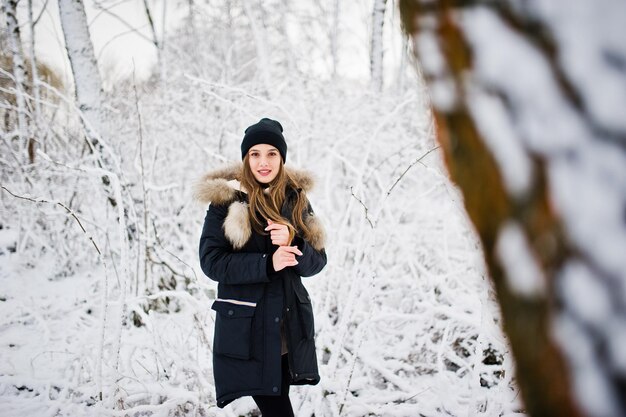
(277, 405)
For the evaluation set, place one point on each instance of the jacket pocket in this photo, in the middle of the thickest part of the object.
(305, 312)
(233, 328)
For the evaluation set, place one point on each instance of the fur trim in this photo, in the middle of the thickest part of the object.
(237, 228)
(317, 236)
(303, 178)
(215, 186)
(221, 187)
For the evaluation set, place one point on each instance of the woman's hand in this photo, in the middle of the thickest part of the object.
(285, 256)
(278, 232)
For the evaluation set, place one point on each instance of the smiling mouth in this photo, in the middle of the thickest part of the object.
(264, 172)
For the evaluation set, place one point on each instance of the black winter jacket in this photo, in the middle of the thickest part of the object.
(253, 299)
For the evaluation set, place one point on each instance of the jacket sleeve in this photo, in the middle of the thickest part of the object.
(220, 262)
(311, 261)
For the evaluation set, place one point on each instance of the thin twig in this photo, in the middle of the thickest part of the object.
(121, 20)
(409, 167)
(411, 397)
(143, 189)
(165, 264)
(160, 244)
(364, 206)
(70, 211)
(43, 9)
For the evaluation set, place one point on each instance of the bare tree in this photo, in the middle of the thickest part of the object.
(159, 44)
(260, 39)
(191, 18)
(87, 81)
(34, 85)
(334, 37)
(376, 50)
(9, 10)
(520, 107)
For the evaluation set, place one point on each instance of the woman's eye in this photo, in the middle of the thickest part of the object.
(254, 154)
(272, 154)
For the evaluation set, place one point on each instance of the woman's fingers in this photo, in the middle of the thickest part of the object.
(281, 264)
(285, 256)
(275, 226)
(280, 240)
(278, 232)
(291, 249)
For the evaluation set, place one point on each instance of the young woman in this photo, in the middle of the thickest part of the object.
(260, 236)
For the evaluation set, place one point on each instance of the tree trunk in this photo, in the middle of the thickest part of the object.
(9, 9)
(403, 66)
(191, 19)
(515, 98)
(260, 40)
(334, 37)
(376, 50)
(80, 52)
(34, 82)
(87, 82)
(155, 40)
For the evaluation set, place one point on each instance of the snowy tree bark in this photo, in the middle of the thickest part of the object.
(531, 123)
(34, 81)
(88, 85)
(334, 37)
(376, 50)
(403, 65)
(82, 58)
(260, 41)
(191, 18)
(158, 45)
(9, 9)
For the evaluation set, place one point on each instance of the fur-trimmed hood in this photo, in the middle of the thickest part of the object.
(221, 186)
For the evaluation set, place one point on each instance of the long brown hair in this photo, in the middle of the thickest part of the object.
(267, 204)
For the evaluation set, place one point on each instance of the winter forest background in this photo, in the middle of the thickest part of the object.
(112, 109)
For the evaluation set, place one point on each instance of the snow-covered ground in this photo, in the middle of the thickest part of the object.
(406, 322)
(110, 318)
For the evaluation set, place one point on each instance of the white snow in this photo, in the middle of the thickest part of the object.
(404, 312)
(587, 185)
(522, 271)
(441, 87)
(591, 40)
(593, 392)
(617, 353)
(585, 294)
(544, 121)
(427, 46)
(496, 129)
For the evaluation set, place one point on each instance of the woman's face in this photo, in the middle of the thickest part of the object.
(264, 162)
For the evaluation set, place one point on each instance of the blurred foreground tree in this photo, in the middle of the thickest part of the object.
(529, 100)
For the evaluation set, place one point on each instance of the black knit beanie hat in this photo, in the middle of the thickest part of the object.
(267, 131)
